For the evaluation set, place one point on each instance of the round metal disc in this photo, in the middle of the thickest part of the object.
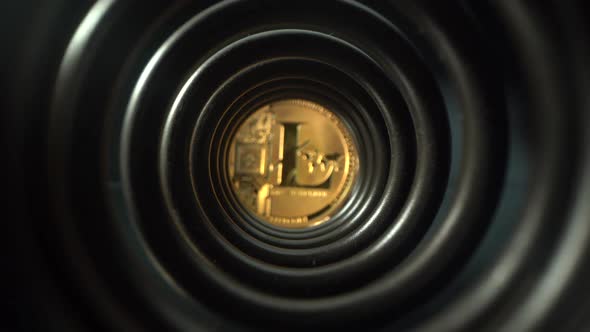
(292, 163)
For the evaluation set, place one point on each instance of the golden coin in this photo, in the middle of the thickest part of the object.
(292, 163)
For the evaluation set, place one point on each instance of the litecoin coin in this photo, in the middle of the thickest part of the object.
(292, 163)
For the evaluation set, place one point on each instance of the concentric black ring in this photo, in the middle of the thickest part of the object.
(260, 69)
(469, 212)
(311, 90)
(348, 271)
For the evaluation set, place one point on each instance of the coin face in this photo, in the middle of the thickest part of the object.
(292, 163)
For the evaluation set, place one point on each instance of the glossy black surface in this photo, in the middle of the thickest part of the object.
(471, 210)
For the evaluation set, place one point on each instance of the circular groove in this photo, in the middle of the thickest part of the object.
(470, 119)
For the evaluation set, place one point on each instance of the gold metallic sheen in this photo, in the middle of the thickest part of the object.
(292, 163)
